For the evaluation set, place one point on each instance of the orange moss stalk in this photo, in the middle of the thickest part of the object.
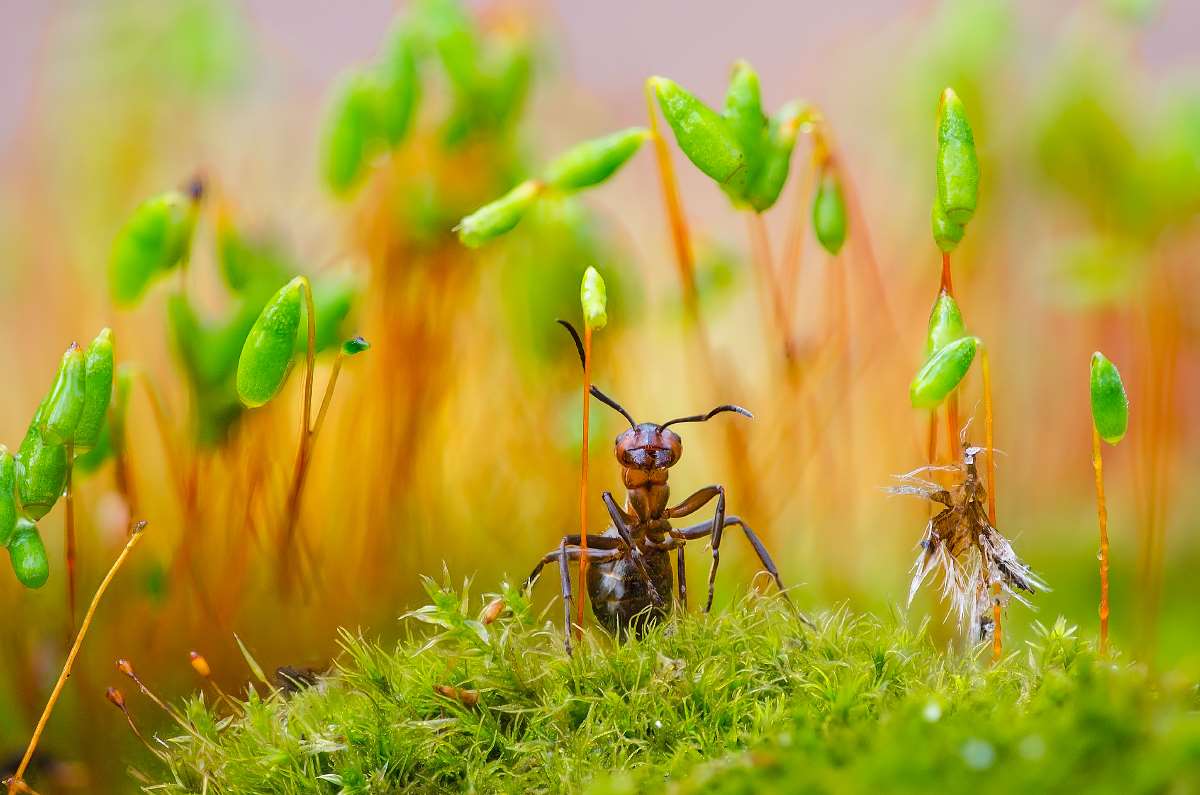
(674, 208)
(17, 782)
(1102, 515)
(593, 298)
(583, 475)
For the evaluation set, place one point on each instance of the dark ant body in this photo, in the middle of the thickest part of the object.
(630, 564)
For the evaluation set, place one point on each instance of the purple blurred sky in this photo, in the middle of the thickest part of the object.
(607, 46)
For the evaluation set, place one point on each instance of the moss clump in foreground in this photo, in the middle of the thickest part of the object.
(746, 701)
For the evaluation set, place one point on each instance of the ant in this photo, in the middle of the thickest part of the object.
(630, 564)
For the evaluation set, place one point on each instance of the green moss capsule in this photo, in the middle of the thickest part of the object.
(594, 161)
(1110, 405)
(945, 324)
(705, 137)
(943, 372)
(770, 173)
(8, 495)
(41, 473)
(829, 212)
(957, 163)
(946, 233)
(28, 555)
(594, 298)
(98, 381)
(64, 404)
(155, 239)
(399, 88)
(743, 110)
(352, 133)
(494, 219)
(355, 345)
(267, 353)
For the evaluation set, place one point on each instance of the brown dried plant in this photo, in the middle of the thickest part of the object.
(978, 565)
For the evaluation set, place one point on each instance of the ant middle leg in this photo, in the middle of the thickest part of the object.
(703, 529)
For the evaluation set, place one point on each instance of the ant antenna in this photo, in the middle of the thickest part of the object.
(709, 415)
(596, 393)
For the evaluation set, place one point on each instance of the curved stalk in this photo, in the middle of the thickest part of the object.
(300, 471)
(17, 782)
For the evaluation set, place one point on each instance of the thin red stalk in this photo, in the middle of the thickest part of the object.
(300, 472)
(989, 435)
(69, 541)
(1102, 515)
(18, 779)
(761, 248)
(583, 476)
(674, 208)
(947, 280)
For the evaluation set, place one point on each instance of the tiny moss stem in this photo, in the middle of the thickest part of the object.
(327, 398)
(793, 249)
(17, 781)
(989, 434)
(69, 540)
(583, 477)
(1102, 515)
(953, 443)
(997, 626)
(680, 235)
(947, 279)
(760, 246)
(300, 471)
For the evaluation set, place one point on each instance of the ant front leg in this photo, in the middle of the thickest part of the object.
(619, 521)
(703, 529)
(694, 503)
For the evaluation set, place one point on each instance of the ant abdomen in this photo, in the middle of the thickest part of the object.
(620, 600)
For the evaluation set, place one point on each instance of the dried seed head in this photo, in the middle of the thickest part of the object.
(468, 698)
(199, 664)
(493, 610)
(114, 696)
(125, 667)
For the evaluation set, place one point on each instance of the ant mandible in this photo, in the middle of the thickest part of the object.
(629, 564)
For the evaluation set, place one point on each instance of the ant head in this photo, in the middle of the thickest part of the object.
(648, 446)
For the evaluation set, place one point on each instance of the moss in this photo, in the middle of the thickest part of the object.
(745, 701)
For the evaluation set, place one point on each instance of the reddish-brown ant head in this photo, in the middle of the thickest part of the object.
(648, 446)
